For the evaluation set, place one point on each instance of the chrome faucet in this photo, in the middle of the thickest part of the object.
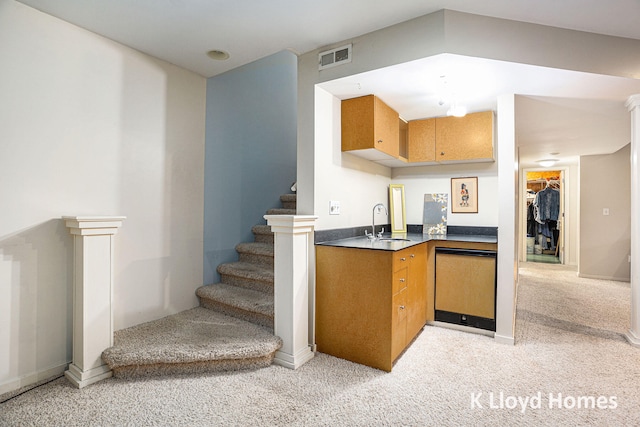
(377, 208)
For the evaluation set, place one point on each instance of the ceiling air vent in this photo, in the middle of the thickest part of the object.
(331, 58)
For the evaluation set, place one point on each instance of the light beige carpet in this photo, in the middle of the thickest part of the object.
(569, 341)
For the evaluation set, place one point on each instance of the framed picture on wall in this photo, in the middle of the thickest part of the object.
(464, 195)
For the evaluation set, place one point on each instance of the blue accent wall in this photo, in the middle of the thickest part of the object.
(250, 152)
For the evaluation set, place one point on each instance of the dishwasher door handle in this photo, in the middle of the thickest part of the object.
(466, 252)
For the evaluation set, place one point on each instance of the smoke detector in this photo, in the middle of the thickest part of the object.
(331, 58)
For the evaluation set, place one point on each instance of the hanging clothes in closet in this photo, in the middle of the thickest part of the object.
(546, 211)
(532, 225)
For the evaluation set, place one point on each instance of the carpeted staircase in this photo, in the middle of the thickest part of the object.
(231, 330)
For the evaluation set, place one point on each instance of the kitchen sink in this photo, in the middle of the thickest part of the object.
(393, 239)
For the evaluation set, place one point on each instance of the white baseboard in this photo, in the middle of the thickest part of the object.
(594, 276)
(632, 338)
(32, 379)
(501, 339)
(462, 328)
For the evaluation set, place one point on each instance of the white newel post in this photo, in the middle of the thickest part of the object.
(294, 280)
(92, 295)
(633, 335)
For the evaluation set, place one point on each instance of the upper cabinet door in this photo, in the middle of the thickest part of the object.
(421, 141)
(369, 123)
(387, 125)
(468, 138)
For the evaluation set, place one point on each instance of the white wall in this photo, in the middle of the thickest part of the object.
(356, 183)
(90, 127)
(419, 181)
(605, 240)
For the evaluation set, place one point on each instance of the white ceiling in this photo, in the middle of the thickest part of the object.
(585, 116)
(183, 31)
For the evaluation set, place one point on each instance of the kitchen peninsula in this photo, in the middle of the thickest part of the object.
(373, 297)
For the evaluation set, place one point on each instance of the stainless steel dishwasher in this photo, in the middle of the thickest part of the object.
(465, 287)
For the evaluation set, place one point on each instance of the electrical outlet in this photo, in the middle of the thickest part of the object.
(334, 207)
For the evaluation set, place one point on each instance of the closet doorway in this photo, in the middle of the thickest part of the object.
(545, 216)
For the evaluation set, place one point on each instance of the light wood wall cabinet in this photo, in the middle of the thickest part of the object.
(373, 130)
(370, 304)
(370, 127)
(451, 139)
(468, 138)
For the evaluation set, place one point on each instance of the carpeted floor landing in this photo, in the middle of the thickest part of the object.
(193, 341)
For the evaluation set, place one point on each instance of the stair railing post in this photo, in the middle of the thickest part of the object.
(92, 295)
(294, 281)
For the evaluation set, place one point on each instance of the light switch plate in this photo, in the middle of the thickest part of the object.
(334, 207)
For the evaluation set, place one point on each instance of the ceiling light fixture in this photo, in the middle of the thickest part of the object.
(547, 163)
(218, 55)
(457, 110)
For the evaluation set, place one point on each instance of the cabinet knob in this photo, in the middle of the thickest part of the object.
(442, 153)
(379, 141)
(403, 259)
(402, 280)
(413, 256)
(402, 307)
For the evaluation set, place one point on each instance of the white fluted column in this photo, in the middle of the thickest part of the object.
(92, 295)
(294, 284)
(633, 335)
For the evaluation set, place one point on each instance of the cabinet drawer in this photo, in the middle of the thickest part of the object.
(402, 258)
(400, 307)
(400, 278)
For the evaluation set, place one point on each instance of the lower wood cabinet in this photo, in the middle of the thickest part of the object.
(370, 304)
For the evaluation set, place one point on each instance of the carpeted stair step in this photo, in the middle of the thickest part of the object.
(262, 233)
(231, 330)
(256, 253)
(288, 201)
(247, 275)
(281, 211)
(192, 341)
(247, 304)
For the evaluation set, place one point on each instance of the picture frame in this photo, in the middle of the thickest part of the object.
(397, 205)
(464, 195)
(434, 215)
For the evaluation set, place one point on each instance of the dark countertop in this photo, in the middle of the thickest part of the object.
(409, 239)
